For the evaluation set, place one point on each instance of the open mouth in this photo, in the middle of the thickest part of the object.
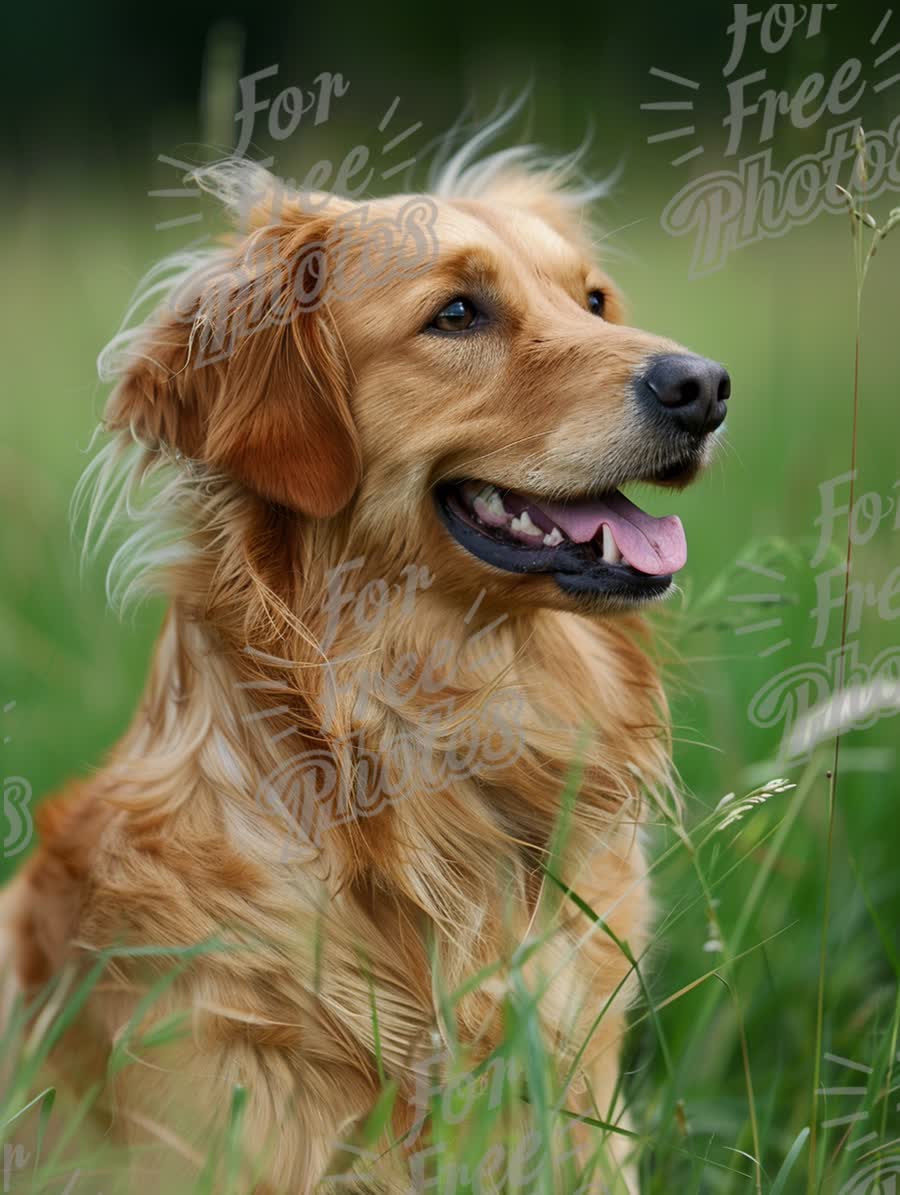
(602, 546)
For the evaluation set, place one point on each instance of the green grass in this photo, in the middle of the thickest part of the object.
(714, 1027)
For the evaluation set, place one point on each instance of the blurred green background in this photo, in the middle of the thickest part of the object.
(96, 94)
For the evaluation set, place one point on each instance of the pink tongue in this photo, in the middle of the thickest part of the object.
(654, 546)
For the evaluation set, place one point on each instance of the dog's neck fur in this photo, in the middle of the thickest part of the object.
(243, 707)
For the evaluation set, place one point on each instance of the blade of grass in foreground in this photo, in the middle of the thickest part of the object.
(780, 1183)
(860, 219)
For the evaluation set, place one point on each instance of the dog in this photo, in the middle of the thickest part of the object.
(381, 449)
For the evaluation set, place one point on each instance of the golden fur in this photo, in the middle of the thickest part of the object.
(314, 441)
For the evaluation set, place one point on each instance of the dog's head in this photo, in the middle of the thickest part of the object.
(449, 377)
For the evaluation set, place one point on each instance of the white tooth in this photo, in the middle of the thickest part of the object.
(494, 502)
(523, 523)
(611, 553)
(553, 538)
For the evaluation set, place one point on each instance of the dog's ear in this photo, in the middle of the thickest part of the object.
(244, 371)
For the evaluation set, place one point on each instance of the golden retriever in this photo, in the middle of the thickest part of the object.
(381, 447)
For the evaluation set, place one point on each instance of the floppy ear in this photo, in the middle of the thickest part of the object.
(244, 370)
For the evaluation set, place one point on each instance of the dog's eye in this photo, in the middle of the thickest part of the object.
(458, 315)
(596, 302)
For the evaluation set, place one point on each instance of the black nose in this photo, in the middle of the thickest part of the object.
(691, 391)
